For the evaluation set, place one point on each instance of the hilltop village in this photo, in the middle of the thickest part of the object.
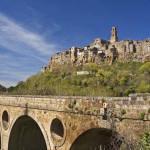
(102, 51)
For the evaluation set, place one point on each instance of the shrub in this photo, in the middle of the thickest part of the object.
(123, 112)
(143, 87)
(74, 102)
(142, 115)
(145, 141)
(70, 106)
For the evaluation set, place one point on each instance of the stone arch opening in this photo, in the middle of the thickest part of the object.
(5, 120)
(26, 135)
(95, 139)
(57, 132)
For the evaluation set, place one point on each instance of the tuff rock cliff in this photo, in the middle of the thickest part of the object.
(102, 51)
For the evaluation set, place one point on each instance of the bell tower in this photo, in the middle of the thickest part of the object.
(114, 37)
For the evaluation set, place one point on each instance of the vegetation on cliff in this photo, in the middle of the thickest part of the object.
(119, 79)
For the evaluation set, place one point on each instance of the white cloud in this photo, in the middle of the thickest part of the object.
(14, 37)
(22, 52)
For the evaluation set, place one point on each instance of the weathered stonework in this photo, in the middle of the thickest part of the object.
(102, 51)
(56, 123)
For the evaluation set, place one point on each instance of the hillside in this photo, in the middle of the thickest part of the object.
(119, 79)
(2, 88)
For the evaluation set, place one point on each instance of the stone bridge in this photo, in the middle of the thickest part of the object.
(71, 123)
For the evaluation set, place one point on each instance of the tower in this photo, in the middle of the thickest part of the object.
(73, 54)
(114, 37)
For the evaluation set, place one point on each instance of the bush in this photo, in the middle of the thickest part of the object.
(143, 87)
(123, 112)
(123, 80)
(142, 115)
(70, 106)
(144, 143)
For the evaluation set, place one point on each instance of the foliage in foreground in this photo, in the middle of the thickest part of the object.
(145, 141)
(120, 79)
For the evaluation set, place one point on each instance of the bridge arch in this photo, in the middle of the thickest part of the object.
(94, 139)
(37, 123)
(26, 134)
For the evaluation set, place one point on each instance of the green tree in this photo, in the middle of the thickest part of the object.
(123, 80)
(143, 87)
(145, 68)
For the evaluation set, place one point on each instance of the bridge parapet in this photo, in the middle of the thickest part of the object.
(74, 104)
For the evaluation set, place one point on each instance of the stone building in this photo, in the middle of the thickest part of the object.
(102, 51)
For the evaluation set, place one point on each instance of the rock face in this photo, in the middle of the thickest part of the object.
(2, 88)
(102, 51)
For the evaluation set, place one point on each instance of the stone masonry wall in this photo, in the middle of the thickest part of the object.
(131, 116)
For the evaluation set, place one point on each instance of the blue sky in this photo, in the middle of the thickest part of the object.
(31, 31)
